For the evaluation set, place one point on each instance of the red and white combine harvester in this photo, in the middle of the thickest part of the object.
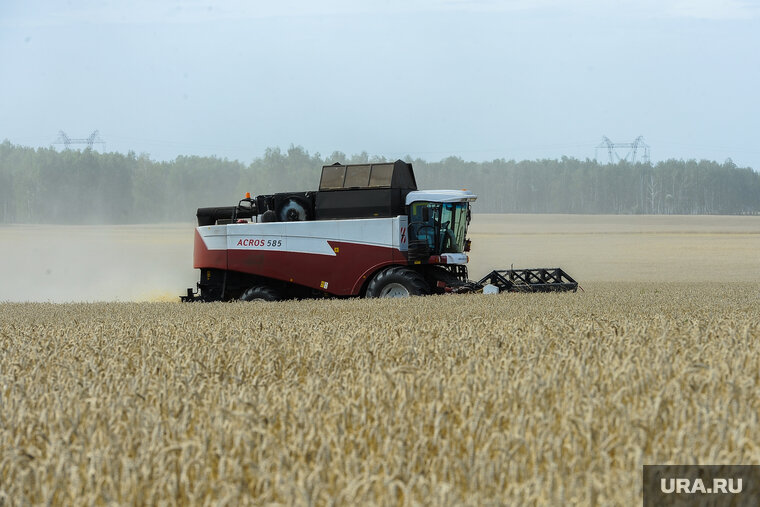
(366, 232)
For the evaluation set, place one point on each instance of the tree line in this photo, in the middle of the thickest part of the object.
(43, 185)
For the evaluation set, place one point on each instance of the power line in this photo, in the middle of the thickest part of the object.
(67, 141)
(637, 145)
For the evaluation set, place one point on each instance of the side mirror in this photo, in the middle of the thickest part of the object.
(246, 208)
(425, 214)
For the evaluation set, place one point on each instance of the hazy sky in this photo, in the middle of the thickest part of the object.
(483, 79)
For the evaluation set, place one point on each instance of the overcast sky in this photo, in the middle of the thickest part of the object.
(484, 79)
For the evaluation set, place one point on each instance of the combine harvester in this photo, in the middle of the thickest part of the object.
(367, 232)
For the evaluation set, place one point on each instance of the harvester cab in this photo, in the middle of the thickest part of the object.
(438, 221)
(368, 231)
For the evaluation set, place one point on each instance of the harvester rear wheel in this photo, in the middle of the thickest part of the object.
(397, 281)
(260, 293)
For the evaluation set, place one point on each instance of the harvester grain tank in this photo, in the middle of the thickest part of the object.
(368, 231)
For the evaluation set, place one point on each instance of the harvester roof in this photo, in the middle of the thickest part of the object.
(440, 196)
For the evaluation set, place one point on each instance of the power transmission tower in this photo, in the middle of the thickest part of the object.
(638, 145)
(93, 139)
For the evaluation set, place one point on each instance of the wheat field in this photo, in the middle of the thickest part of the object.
(514, 398)
(543, 399)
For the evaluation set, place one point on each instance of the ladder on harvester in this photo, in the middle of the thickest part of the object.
(530, 280)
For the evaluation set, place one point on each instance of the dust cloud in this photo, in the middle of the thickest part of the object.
(96, 263)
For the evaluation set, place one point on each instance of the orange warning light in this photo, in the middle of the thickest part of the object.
(247, 195)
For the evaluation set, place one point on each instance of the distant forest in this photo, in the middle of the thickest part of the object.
(86, 187)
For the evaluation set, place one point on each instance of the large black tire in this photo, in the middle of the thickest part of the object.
(397, 281)
(260, 293)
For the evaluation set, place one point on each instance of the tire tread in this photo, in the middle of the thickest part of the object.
(414, 281)
(260, 292)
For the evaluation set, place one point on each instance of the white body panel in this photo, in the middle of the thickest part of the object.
(454, 258)
(308, 236)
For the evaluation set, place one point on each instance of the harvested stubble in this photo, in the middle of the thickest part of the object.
(549, 398)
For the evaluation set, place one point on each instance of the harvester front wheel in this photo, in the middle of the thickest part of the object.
(260, 293)
(397, 282)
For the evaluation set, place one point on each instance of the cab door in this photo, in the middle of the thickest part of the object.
(423, 233)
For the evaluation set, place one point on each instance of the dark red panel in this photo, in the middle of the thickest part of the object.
(344, 272)
(205, 258)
